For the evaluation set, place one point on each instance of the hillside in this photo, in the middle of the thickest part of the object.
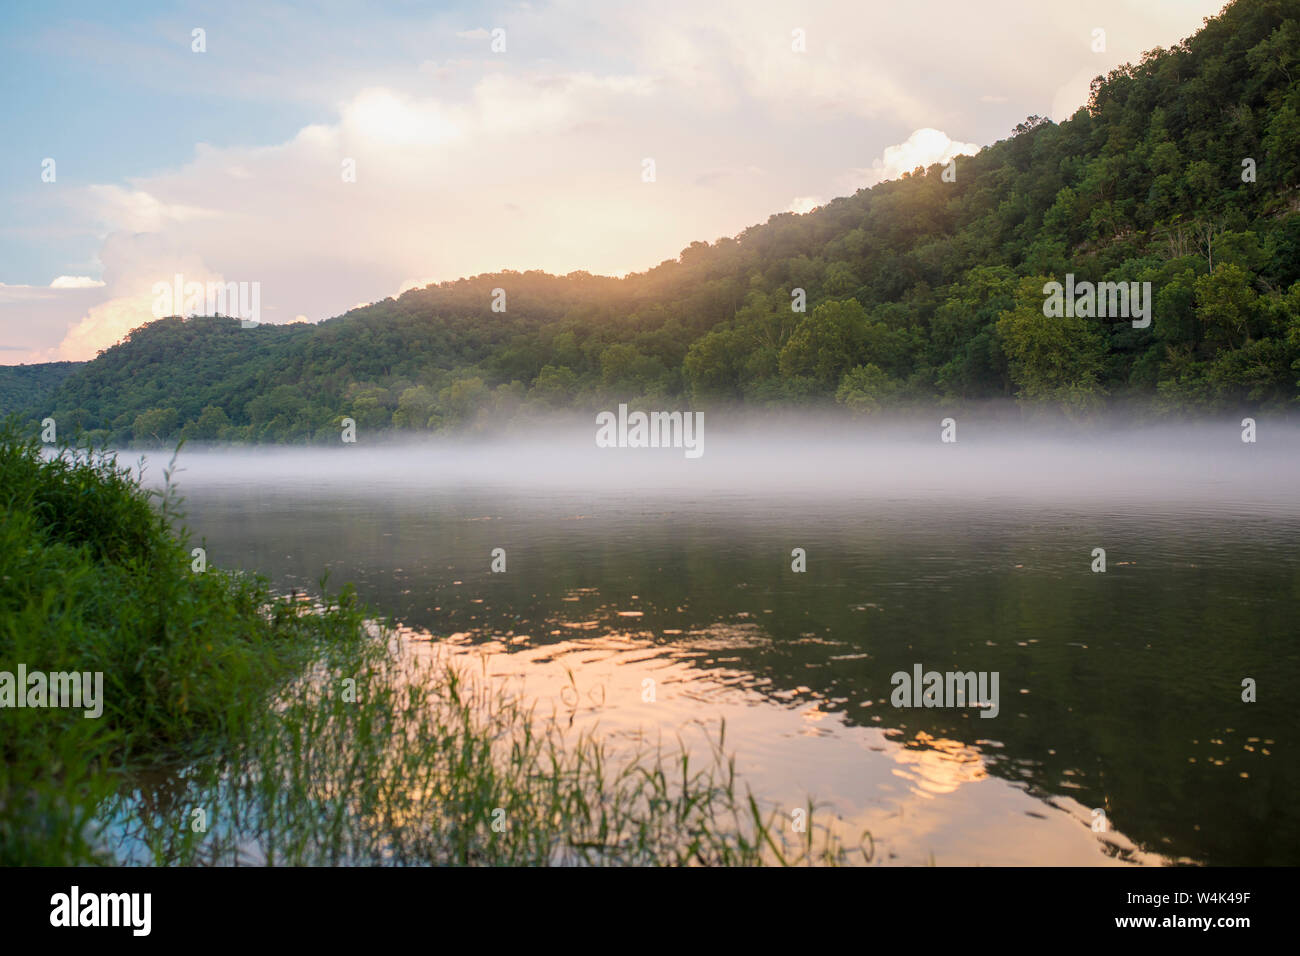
(919, 291)
(23, 386)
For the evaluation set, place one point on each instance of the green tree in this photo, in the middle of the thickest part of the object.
(416, 408)
(713, 366)
(825, 344)
(866, 389)
(155, 425)
(554, 387)
(1226, 304)
(1051, 359)
(211, 423)
(462, 399)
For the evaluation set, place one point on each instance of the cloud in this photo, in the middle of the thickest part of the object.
(803, 204)
(382, 117)
(923, 148)
(34, 317)
(76, 282)
(132, 265)
(532, 159)
(138, 211)
(531, 170)
(104, 325)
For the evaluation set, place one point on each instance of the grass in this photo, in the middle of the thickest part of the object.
(241, 727)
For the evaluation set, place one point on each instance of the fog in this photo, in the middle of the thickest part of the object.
(780, 580)
(1164, 467)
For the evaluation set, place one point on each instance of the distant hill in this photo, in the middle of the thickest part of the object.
(1182, 171)
(29, 388)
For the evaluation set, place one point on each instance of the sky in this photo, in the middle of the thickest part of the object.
(338, 153)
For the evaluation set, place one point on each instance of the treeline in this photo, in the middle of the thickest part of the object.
(1182, 171)
(23, 386)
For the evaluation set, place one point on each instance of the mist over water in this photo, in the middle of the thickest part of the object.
(989, 461)
(1120, 690)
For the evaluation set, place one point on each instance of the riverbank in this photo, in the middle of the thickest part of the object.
(236, 725)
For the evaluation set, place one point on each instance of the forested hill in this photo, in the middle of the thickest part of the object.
(23, 386)
(1182, 172)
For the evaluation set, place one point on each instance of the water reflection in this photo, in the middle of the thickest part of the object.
(1119, 691)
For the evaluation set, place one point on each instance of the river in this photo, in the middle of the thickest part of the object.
(653, 595)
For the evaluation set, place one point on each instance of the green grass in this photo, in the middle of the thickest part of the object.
(429, 756)
(305, 733)
(92, 578)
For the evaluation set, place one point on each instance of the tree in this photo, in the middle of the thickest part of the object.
(712, 366)
(155, 425)
(866, 389)
(212, 421)
(625, 370)
(462, 398)
(1226, 304)
(825, 344)
(1051, 359)
(1145, 183)
(416, 408)
(554, 387)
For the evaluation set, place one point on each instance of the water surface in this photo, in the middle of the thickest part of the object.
(1119, 691)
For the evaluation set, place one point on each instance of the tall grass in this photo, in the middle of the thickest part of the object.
(432, 764)
(94, 579)
(239, 727)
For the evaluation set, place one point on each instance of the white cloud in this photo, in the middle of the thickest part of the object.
(803, 204)
(923, 148)
(22, 293)
(532, 170)
(76, 282)
(383, 118)
(33, 317)
(533, 160)
(135, 210)
(104, 325)
(132, 264)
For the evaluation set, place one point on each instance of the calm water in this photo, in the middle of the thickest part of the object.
(1119, 691)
